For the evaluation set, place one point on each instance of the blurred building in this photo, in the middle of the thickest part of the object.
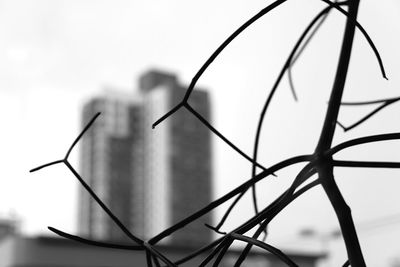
(8, 227)
(150, 178)
(57, 252)
(111, 160)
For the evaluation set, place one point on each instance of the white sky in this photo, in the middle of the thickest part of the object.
(56, 54)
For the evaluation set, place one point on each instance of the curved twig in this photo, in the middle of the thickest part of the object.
(366, 164)
(231, 194)
(301, 50)
(384, 104)
(103, 206)
(93, 242)
(156, 261)
(226, 140)
(209, 257)
(81, 134)
(149, 258)
(282, 256)
(87, 187)
(159, 255)
(364, 32)
(371, 102)
(223, 251)
(47, 165)
(215, 54)
(276, 207)
(362, 140)
(199, 251)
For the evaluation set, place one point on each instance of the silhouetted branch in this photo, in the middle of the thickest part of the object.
(325, 168)
(385, 103)
(81, 134)
(366, 164)
(156, 261)
(221, 245)
(215, 229)
(92, 242)
(87, 187)
(226, 140)
(363, 140)
(47, 165)
(223, 251)
(228, 196)
(363, 31)
(362, 103)
(278, 205)
(272, 93)
(302, 48)
(215, 55)
(320, 162)
(199, 251)
(149, 259)
(282, 256)
(103, 206)
(235, 191)
(155, 252)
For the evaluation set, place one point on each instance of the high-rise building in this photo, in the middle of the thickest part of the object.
(150, 178)
(111, 161)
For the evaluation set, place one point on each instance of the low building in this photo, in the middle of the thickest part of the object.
(18, 251)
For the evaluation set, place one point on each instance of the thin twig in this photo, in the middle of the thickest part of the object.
(282, 256)
(363, 31)
(81, 134)
(226, 140)
(215, 54)
(384, 104)
(228, 196)
(93, 242)
(366, 164)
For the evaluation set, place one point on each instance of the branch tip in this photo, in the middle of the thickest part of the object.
(46, 165)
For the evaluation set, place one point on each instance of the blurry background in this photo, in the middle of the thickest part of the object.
(55, 55)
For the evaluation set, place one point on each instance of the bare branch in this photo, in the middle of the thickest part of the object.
(224, 241)
(149, 259)
(226, 140)
(47, 165)
(246, 185)
(272, 93)
(103, 206)
(199, 251)
(363, 140)
(361, 103)
(282, 256)
(366, 164)
(364, 32)
(303, 47)
(385, 103)
(92, 242)
(155, 252)
(81, 134)
(215, 55)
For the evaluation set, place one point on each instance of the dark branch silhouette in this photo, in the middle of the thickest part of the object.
(320, 163)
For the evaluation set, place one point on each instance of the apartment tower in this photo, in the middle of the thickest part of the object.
(150, 178)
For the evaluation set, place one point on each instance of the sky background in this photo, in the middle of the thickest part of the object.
(55, 55)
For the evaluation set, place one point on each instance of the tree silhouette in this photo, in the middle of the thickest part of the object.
(319, 169)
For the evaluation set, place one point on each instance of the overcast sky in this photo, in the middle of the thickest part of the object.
(54, 55)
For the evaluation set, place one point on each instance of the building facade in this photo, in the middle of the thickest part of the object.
(111, 153)
(150, 178)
